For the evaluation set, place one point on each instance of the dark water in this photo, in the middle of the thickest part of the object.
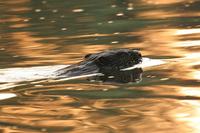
(49, 32)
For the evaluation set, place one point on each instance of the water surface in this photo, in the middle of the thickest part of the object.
(36, 33)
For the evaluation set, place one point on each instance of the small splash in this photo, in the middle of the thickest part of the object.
(26, 20)
(116, 33)
(146, 62)
(99, 23)
(120, 14)
(78, 10)
(110, 22)
(38, 10)
(53, 21)
(42, 18)
(164, 79)
(63, 29)
(2, 49)
(114, 42)
(130, 7)
(113, 6)
(55, 11)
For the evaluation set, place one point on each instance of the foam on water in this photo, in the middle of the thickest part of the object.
(146, 62)
(28, 73)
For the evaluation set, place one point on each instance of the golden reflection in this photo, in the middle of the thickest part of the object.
(11, 2)
(17, 6)
(158, 41)
(139, 113)
(22, 9)
(187, 34)
(192, 116)
(187, 117)
(162, 2)
(170, 108)
(163, 14)
(165, 42)
(4, 96)
(164, 108)
(13, 19)
(28, 46)
(196, 75)
(19, 25)
(88, 35)
(158, 14)
(192, 91)
(187, 31)
(194, 57)
(187, 43)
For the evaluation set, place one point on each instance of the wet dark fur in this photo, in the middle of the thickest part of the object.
(103, 62)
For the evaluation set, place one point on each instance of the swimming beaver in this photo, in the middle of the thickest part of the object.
(103, 62)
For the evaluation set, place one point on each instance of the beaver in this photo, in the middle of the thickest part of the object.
(104, 62)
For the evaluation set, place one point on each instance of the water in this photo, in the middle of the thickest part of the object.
(35, 33)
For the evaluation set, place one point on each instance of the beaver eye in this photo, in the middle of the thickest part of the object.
(87, 56)
(139, 54)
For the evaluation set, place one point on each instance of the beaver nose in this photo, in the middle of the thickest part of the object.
(136, 55)
(139, 60)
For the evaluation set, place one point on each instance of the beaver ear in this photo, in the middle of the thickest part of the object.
(87, 56)
(104, 60)
(135, 50)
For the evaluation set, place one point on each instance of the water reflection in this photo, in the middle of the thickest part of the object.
(35, 33)
(134, 75)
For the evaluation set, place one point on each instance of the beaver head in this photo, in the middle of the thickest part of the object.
(116, 59)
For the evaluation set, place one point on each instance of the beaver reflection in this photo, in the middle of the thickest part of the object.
(117, 76)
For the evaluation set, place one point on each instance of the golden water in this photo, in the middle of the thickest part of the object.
(45, 33)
